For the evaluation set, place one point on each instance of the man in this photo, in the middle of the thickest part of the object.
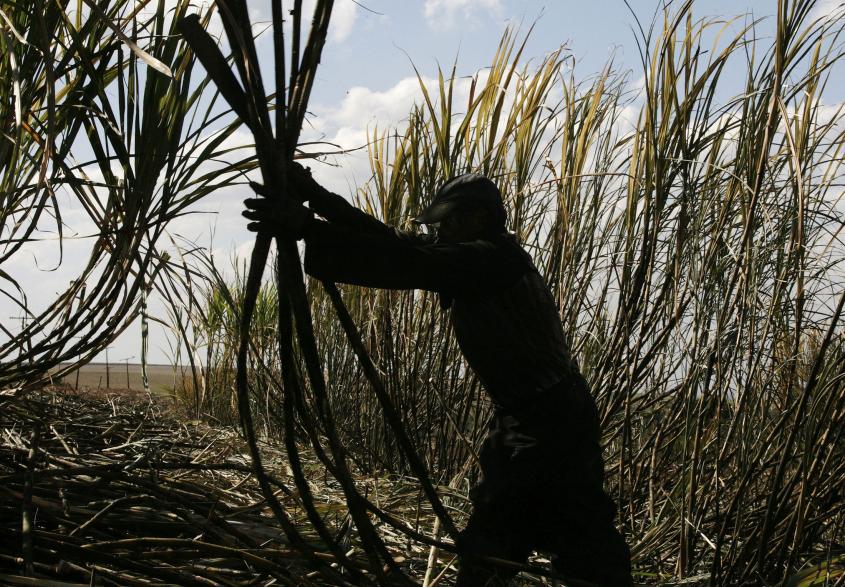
(541, 464)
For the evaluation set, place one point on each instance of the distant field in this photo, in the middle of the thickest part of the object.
(121, 376)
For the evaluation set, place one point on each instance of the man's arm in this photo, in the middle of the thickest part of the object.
(390, 259)
(286, 216)
(339, 210)
(334, 253)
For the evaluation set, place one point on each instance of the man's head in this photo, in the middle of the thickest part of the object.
(466, 208)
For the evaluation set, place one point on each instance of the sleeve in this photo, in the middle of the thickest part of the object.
(394, 261)
(339, 211)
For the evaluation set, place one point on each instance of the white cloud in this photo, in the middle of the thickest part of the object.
(387, 107)
(446, 12)
(826, 113)
(828, 10)
(344, 14)
(350, 125)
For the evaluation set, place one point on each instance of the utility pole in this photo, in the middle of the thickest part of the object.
(126, 360)
(22, 320)
(78, 369)
(108, 383)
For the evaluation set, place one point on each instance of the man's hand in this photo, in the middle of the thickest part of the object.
(280, 216)
(301, 186)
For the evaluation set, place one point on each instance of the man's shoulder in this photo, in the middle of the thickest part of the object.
(505, 242)
(508, 245)
(495, 263)
(495, 250)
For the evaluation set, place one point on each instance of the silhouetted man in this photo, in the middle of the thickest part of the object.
(541, 464)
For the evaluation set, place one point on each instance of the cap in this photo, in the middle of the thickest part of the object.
(469, 187)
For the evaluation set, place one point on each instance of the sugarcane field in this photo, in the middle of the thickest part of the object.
(440, 292)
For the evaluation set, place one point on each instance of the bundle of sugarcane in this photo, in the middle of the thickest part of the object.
(305, 404)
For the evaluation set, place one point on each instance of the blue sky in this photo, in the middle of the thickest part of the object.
(376, 50)
(366, 78)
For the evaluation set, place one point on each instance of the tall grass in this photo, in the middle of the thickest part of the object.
(693, 244)
(204, 323)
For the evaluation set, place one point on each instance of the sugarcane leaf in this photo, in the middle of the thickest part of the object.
(16, 81)
(215, 64)
(146, 57)
(12, 28)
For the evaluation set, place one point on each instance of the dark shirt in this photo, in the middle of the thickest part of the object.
(503, 315)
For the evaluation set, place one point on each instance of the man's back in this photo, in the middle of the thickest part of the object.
(512, 336)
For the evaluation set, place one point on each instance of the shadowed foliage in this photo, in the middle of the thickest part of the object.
(689, 230)
(692, 239)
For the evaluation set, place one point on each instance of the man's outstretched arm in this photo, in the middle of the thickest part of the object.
(334, 253)
(387, 259)
(338, 210)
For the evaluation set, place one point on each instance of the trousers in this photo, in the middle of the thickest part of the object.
(541, 488)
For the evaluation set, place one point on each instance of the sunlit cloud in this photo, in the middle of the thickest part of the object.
(446, 13)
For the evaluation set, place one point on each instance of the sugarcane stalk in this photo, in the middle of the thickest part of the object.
(258, 121)
(392, 414)
(289, 405)
(290, 281)
(27, 518)
(210, 56)
(291, 285)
